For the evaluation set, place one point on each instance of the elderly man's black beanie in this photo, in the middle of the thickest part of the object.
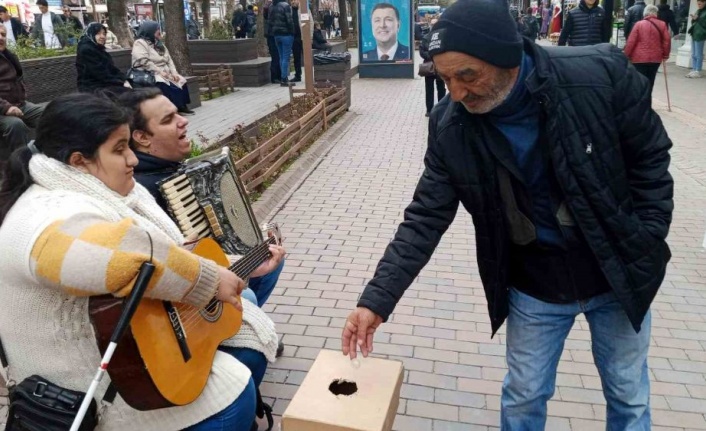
(480, 28)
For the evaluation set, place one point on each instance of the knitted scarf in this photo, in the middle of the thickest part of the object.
(138, 205)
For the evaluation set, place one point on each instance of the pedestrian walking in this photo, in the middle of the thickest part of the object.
(649, 44)
(563, 166)
(587, 24)
(665, 14)
(633, 15)
(530, 25)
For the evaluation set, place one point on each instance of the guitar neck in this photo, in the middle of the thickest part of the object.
(254, 258)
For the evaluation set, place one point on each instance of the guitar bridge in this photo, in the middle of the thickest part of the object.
(178, 329)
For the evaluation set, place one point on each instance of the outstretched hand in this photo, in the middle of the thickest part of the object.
(358, 332)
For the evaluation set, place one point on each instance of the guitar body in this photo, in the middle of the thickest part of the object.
(165, 357)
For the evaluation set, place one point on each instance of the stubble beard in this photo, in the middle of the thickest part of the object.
(498, 93)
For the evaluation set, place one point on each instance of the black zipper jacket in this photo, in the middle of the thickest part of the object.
(608, 153)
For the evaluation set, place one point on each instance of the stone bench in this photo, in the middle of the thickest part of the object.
(250, 73)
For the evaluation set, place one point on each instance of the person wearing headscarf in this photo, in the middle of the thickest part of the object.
(94, 65)
(149, 53)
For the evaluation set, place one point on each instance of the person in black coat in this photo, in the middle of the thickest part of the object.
(18, 29)
(94, 65)
(281, 27)
(275, 72)
(633, 15)
(297, 46)
(587, 24)
(430, 81)
(665, 14)
(564, 168)
(318, 40)
(240, 22)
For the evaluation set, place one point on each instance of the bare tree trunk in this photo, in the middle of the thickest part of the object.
(262, 50)
(206, 16)
(117, 21)
(315, 6)
(176, 35)
(230, 8)
(343, 18)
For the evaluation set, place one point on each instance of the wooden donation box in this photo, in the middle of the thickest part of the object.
(338, 396)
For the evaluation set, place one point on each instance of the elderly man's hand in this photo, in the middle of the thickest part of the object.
(358, 332)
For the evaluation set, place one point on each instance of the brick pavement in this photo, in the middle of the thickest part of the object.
(342, 217)
(339, 222)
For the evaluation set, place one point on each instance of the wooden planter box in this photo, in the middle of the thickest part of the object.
(336, 74)
(48, 78)
(262, 163)
(222, 51)
(249, 73)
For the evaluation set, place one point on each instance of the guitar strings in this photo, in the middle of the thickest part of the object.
(242, 267)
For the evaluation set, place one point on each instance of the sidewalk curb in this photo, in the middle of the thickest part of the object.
(275, 197)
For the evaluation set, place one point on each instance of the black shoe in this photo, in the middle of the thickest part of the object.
(276, 81)
(186, 111)
(426, 115)
(297, 79)
(280, 349)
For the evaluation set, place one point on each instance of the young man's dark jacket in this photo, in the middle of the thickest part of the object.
(95, 68)
(585, 26)
(151, 170)
(18, 29)
(666, 15)
(633, 15)
(280, 19)
(607, 153)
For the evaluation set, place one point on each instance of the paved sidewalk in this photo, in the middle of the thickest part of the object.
(339, 222)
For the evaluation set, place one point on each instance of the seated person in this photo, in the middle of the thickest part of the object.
(159, 139)
(81, 167)
(319, 40)
(94, 66)
(149, 53)
(17, 116)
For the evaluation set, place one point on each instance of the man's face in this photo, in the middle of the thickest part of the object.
(385, 25)
(4, 16)
(701, 4)
(3, 38)
(166, 129)
(480, 86)
(43, 9)
(67, 11)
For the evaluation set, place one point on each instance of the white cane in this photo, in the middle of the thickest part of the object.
(138, 290)
(669, 103)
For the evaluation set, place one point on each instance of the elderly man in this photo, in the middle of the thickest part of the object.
(385, 19)
(563, 166)
(17, 116)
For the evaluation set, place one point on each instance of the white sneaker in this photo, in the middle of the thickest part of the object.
(694, 74)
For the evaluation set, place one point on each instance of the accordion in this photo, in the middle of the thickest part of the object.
(207, 199)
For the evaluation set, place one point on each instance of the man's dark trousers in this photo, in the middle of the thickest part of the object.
(275, 72)
(16, 131)
(298, 52)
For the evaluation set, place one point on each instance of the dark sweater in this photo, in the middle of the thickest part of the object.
(150, 170)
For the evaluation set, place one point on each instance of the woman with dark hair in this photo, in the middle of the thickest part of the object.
(73, 223)
(95, 67)
(149, 53)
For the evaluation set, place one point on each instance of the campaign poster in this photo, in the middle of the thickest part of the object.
(385, 31)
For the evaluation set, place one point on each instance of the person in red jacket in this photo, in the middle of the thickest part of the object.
(649, 43)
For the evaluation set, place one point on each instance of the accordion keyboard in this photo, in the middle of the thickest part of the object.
(193, 220)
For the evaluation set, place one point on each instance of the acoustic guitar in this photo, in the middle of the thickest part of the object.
(165, 357)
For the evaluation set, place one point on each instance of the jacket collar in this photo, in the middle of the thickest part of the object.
(149, 164)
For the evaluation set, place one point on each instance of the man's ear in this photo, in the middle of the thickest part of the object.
(142, 140)
(78, 161)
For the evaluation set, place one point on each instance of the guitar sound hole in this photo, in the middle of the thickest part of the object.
(212, 311)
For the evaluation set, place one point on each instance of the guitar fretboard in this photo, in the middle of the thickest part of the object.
(255, 257)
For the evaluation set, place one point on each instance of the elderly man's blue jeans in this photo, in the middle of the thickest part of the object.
(536, 331)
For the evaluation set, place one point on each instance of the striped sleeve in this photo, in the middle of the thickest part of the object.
(86, 255)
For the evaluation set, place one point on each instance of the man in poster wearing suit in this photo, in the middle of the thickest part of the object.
(385, 20)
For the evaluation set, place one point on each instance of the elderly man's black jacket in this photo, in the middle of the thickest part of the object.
(608, 152)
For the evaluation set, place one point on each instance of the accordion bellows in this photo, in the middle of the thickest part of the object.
(207, 199)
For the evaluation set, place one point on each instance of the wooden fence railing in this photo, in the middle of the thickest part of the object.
(260, 164)
(220, 79)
